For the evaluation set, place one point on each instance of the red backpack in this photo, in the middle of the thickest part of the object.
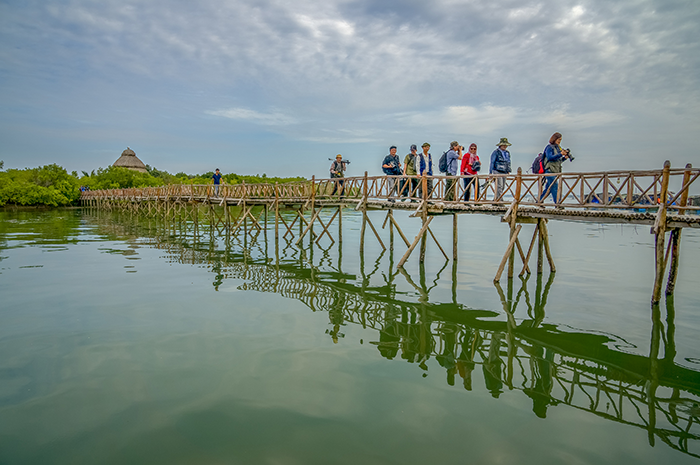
(538, 164)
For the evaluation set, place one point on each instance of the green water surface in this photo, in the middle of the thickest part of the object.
(126, 339)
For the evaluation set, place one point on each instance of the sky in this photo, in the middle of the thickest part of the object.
(278, 87)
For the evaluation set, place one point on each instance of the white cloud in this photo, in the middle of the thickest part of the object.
(274, 118)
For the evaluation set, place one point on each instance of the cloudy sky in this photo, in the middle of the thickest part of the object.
(278, 87)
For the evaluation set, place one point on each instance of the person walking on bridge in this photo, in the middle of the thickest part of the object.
(470, 167)
(424, 167)
(338, 172)
(216, 179)
(500, 164)
(454, 155)
(392, 167)
(554, 156)
(409, 170)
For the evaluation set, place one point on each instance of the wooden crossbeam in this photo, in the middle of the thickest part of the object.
(509, 249)
(415, 242)
(325, 228)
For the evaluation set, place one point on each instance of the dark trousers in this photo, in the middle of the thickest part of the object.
(468, 182)
(451, 189)
(409, 187)
(339, 182)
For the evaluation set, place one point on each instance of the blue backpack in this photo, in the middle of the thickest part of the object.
(538, 164)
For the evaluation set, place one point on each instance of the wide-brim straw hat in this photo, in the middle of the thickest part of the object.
(504, 141)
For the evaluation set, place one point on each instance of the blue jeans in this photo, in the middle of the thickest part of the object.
(550, 181)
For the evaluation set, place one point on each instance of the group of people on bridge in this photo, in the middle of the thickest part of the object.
(405, 178)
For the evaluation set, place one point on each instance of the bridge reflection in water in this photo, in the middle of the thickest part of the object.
(555, 366)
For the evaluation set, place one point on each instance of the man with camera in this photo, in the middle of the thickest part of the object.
(338, 168)
(554, 156)
(392, 167)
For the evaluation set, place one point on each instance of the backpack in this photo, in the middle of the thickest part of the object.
(442, 163)
(538, 164)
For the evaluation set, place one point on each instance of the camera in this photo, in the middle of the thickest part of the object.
(568, 154)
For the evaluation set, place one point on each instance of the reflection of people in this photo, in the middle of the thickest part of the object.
(554, 156)
(542, 372)
(465, 361)
(336, 317)
(392, 167)
(492, 366)
(500, 164)
(337, 173)
(389, 337)
(470, 166)
(216, 178)
(447, 358)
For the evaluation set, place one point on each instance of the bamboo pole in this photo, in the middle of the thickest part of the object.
(545, 238)
(364, 215)
(502, 266)
(659, 230)
(420, 235)
(513, 218)
(455, 237)
(424, 217)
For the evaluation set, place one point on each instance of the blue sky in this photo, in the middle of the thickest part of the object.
(279, 87)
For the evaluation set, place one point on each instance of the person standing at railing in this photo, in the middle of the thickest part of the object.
(470, 166)
(554, 156)
(338, 173)
(392, 167)
(409, 169)
(454, 155)
(424, 166)
(500, 164)
(216, 179)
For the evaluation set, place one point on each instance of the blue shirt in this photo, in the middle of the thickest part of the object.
(216, 178)
(452, 163)
(503, 156)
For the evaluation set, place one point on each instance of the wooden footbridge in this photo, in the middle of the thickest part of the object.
(657, 198)
(555, 367)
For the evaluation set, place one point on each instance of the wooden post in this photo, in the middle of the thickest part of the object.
(659, 230)
(545, 238)
(513, 218)
(675, 239)
(509, 250)
(277, 214)
(540, 246)
(455, 237)
(364, 215)
(391, 233)
(313, 206)
(424, 217)
(340, 224)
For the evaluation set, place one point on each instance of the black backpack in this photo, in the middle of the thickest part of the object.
(538, 164)
(442, 163)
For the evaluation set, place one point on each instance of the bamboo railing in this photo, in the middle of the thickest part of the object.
(614, 190)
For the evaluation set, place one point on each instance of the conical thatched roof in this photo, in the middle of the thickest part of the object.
(131, 161)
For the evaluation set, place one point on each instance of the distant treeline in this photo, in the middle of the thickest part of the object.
(52, 185)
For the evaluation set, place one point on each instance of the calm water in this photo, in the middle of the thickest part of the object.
(127, 340)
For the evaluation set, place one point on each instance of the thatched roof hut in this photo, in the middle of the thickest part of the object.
(131, 161)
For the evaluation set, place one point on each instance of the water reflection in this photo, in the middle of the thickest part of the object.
(552, 367)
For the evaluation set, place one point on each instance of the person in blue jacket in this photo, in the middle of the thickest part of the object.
(500, 164)
(554, 156)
